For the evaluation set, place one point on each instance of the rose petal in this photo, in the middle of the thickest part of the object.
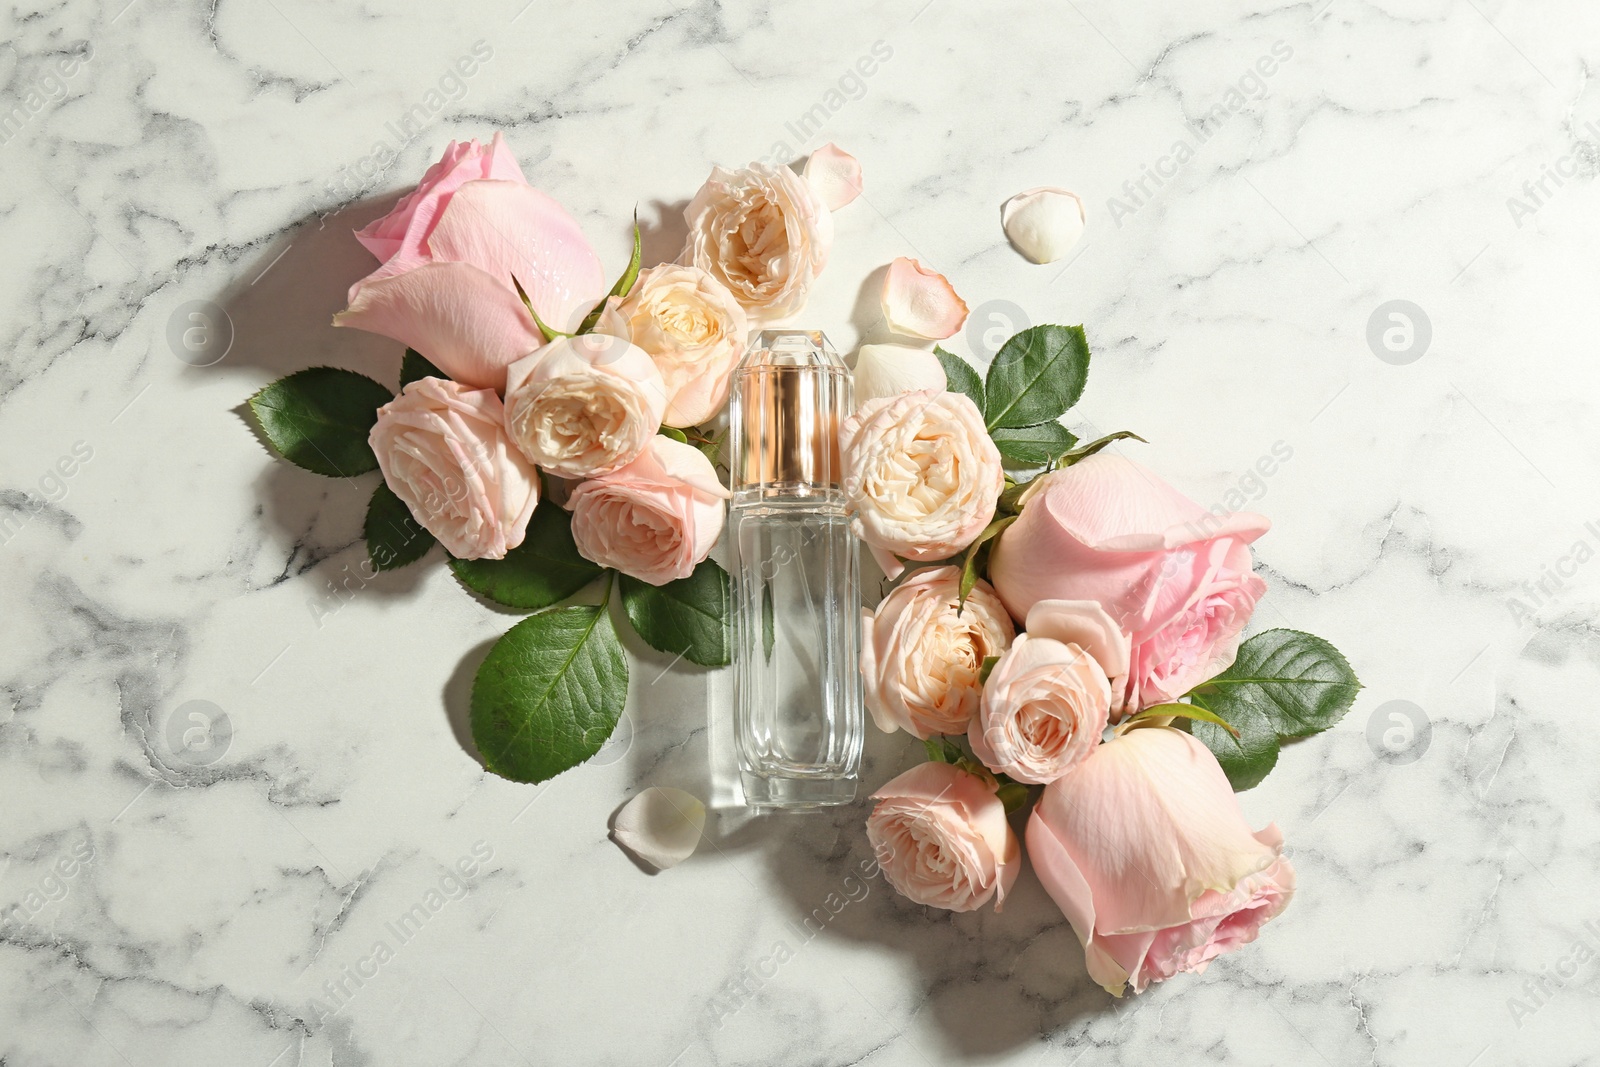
(835, 174)
(919, 302)
(885, 370)
(1043, 223)
(661, 826)
(470, 326)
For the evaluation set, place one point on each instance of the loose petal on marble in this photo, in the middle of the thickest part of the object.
(919, 302)
(888, 369)
(1044, 223)
(835, 175)
(661, 826)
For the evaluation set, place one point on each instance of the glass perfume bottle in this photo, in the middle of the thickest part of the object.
(797, 616)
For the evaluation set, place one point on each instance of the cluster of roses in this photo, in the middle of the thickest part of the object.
(1129, 595)
(538, 369)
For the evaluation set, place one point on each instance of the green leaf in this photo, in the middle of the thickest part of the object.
(413, 367)
(987, 668)
(1067, 459)
(319, 419)
(394, 538)
(544, 569)
(769, 629)
(971, 562)
(1034, 446)
(1179, 710)
(1283, 684)
(959, 375)
(1012, 795)
(1036, 376)
(549, 693)
(624, 284)
(690, 617)
(674, 433)
(550, 332)
(942, 749)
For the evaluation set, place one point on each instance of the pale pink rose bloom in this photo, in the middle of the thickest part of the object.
(1048, 699)
(941, 838)
(443, 450)
(654, 519)
(763, 232)
(694, 330)
(449, 252)
(582, 406)
(921, 476)
(1176, 577)
(921, 653)
(920, 302)
(1144, 848)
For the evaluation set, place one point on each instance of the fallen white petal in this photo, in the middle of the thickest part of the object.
(888, 370)
(919, 302)
(661, 826)
(835, 175)
(1044, 223)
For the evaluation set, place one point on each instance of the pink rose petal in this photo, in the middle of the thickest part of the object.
(920, 302)
(835, 174)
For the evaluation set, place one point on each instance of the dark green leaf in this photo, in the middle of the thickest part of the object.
(690, 617)
(959, 376)
(394, 538)
(674, 433)
(1034, 446)
(1283, 684)
(319, 418)
(987, 668)
(413, 367)
(549, 693)
(971, 562)
(1069, 458)
(543, 570)
(624, 284)
(769, 630)
(942, 749)
(1036, 376)
(1012, 795)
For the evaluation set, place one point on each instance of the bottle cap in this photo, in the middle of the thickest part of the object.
(789, 397)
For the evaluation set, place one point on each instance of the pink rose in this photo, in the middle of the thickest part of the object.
(695, 331)
(921, 656)
(654, 519)
(1145, 850)
(443, 450)
(1176, 577)
(450, 250)
(941, 838)
(1048, 700)
(921, 476)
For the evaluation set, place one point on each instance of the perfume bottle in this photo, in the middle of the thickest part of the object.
(797, 616)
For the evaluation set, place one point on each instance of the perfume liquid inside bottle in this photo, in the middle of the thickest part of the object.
(797, 619)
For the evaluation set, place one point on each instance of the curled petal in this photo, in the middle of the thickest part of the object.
(661, 826)
(885, 370)
(1043, 223)
(835, 174)
(920, 302)
(469, 325)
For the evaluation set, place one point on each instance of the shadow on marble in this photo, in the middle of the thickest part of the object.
(661, 241)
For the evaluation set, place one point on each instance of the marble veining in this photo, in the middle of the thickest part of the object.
(334, 879)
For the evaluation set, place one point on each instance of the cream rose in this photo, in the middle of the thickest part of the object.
(694, 330)
(921, 656)
(763, 232)
(582, 406)
(941, 838)
(1048, 700)
(443, 449)
(921, 476)
(654, 519)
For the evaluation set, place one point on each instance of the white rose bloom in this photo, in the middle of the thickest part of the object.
(694, 330)
(582, 406)
(763, 232)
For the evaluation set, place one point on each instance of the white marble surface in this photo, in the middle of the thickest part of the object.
(214, 152)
